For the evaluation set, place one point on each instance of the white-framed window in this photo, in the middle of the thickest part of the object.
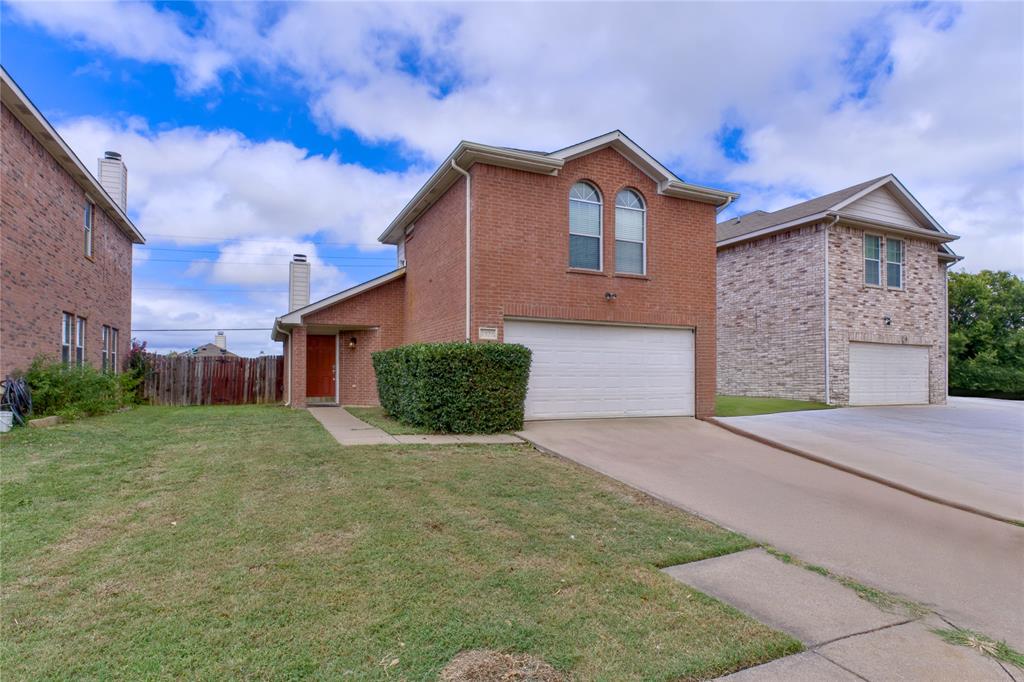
(105, 349)
(894, 263)
(87, 227)
(114, 367)
(66, 320)
(873, 260)
(80, 341)
(585, 227)
(630, 233)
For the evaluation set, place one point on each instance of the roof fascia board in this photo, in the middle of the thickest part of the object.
(773, 228)
(465, 155)
(667, 181)
(20, 105)
(295, 316)
(903, 193)
(919, 232)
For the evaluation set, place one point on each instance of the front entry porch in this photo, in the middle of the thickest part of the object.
(330, 365)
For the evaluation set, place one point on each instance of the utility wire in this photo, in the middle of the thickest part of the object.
(235, 262)
(188, 237)
(355, 258)
(226, 291)
(211, 329)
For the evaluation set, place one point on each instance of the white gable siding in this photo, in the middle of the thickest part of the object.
(881, 205)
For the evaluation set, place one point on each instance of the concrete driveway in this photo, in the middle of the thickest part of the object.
(967, 567)
(970, 451)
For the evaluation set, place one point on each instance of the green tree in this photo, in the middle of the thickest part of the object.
(986, 333)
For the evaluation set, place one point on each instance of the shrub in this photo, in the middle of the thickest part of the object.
(72, 392)
(455, 387)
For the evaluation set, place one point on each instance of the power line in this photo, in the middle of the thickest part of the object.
(226, 291)
(211, 329)
(228, 262)
(355, 258)
(254, 239)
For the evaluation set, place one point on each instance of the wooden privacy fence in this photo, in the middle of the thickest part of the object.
(197, 380)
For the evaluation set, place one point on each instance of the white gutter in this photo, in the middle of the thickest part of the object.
(468, 213)
(288, 369)
(828, 378)
(724, 206)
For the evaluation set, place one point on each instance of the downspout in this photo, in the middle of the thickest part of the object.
(468, 187)
(288, 368)
(724, 206)
(828, 374)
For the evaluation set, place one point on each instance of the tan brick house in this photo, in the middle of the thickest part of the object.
(840, 299)
(595, 256)
(65, 249)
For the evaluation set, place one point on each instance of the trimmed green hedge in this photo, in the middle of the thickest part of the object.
(455, 387)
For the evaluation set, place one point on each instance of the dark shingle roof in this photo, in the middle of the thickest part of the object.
(759, 220)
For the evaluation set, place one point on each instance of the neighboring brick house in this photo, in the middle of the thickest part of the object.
(65, 249)
(595, 256)
(840, 299)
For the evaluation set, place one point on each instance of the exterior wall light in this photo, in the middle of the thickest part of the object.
(610, 296)
(887, 320)
(351, 342)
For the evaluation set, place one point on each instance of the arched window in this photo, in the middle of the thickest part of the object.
(584, 227)
(630, 233)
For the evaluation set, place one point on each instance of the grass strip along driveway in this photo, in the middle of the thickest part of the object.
(212, 542)
(744, 406)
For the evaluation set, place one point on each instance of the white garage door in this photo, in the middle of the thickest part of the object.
(888, 374)
(588, 370)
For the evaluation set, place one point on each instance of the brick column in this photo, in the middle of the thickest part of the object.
(297, 357)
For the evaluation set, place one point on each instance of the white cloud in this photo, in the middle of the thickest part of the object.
(134, 30)
(181, 310)
(828, 94)
(198, 184)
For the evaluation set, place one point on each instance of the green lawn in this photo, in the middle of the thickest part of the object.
(243, 542)
(376, 416)
(742, 406)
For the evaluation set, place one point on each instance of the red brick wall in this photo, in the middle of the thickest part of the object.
(435, 307)
(521, 256)
(45, 271)
(381, 308)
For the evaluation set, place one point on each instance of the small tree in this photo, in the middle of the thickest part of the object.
(986, 333)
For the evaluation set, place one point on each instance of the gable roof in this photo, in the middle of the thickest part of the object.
(758, 220)
(466, 154)
(294, 317)
(760, 223)
(26, 112)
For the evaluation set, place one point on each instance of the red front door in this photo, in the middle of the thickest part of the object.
(320, 357)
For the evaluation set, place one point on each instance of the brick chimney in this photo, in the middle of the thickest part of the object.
(113, 176)
(298, 282)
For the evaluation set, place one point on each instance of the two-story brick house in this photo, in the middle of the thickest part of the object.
(65, 246)
(840, 299)
(595, 256)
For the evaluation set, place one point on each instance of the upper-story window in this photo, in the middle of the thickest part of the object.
(87, 227)
(872, 260)
(894, 263)
(584, 227)
(630, 233)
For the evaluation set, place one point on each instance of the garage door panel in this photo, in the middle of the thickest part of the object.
(888, 374)
(583, 370)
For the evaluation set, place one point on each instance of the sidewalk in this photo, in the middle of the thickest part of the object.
(348, 430)
(847, 638)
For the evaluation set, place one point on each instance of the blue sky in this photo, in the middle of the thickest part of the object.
(255, 130)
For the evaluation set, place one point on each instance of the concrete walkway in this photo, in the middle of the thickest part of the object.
(348, 430)
(969, 452)
(847, 637)
(966, 567)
